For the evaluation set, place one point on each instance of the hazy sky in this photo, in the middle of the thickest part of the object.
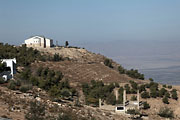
(84, 21)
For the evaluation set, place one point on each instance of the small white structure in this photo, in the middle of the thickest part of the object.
(11, 64)
(120, 109)
(39, 42)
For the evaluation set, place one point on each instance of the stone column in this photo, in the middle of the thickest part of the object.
(138, 98)
(124, 98)
(117, 94)
(100, 103)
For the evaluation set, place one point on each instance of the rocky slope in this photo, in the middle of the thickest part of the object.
(79, 66)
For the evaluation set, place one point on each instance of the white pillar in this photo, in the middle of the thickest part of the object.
(138, 98)
(117, 94)
(124, 98)
(100, 103)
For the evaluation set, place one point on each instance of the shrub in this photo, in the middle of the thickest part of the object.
(174, 94)
(121, 70)
(25, 88)
(1, 80)
(166, 112)
(111, 99)
(108, 63)
(165, 100)
(133, 98)
(133, 91)
(142, 88)
(150, 79)
(132, 111)
(116, 84)
(164, 86)
(167, 95)
(12, 85)
(162, 92)
(153, 94)
(145, 95)
(65, 92)
(146, 105)
(36, 111)
(127, 88)
(57, 57)
(170, 86)
(91, 100)
(64, 117)
(135, 74)
(134, 85)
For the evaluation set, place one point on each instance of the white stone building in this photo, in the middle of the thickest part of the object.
(11, 63)
(39, 42)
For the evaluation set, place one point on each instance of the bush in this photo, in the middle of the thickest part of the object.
(153, 94)
(12, 85)
(164, 86)
(127, 88)
(57, 57)
(132, 111)
(150, 79)
(174, 94)
(133, 98)
(170, 86)
(162, 92)
(25, 88)
(111, 99)
(36, 111)
(64, 117)
(146, 106)
(135, 74)
(65, 93)
(134, 85)
(167, 95)
(108, 63)
(165, 100)
(91, 100)
(121, 70)
(116, 84)
(154, 90)
(166, 112)
(1, 80)
(142, 88)
(145, 95)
